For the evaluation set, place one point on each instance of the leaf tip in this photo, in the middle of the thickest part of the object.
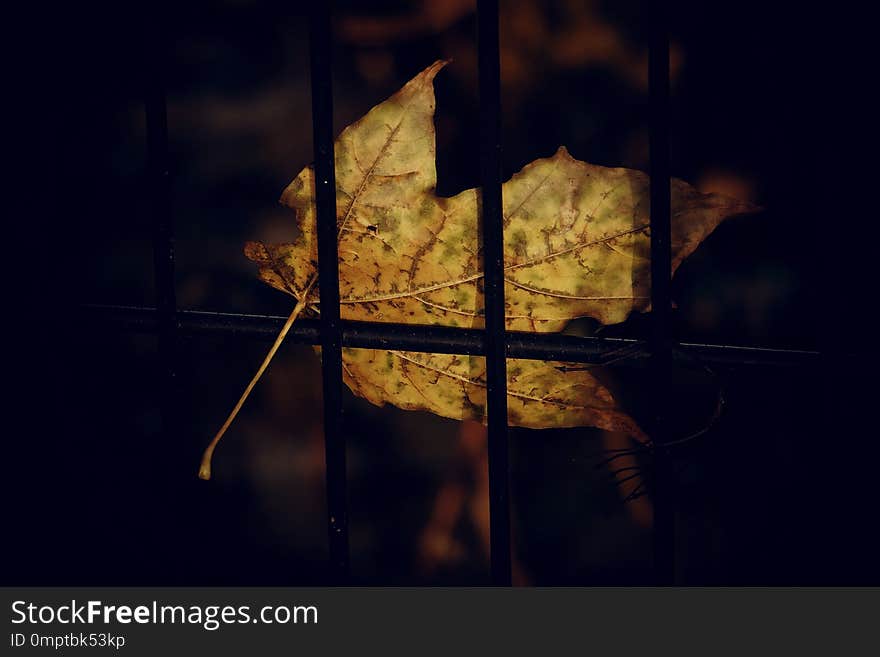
(747, 207)
(562, 153)
(254, 251)
(429, 73)
(739, 207)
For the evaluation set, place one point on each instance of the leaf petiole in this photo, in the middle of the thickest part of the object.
(205, 467)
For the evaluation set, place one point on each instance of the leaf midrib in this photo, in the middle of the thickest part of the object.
(369, 173)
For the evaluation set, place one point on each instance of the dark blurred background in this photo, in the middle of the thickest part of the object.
(766, 108)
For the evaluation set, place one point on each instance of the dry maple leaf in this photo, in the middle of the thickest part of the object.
(576, 244)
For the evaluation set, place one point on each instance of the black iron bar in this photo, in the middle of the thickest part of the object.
(493, 267)
(328, 282)
(159, 182)
(438, 339)
(661, 301)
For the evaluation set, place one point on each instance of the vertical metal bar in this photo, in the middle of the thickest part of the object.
(159, 181)
(328, 281)
(493, 267)
(661, 300)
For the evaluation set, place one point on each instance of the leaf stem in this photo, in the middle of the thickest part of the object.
(205, 467)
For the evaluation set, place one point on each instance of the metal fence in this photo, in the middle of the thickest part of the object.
(494, 342)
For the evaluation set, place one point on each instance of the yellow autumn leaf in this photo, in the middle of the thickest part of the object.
(539, 394)
(576, 235)
(576, 244)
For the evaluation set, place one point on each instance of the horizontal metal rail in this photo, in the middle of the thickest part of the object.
(440, 339)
